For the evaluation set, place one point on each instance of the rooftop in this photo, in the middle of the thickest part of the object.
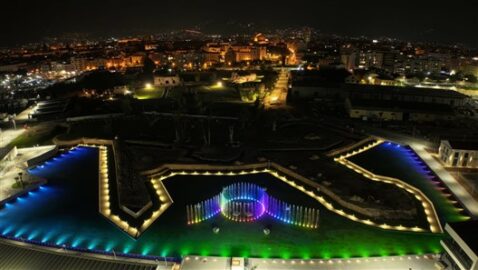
(467, 232)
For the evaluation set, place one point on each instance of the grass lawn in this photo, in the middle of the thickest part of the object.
(214, 93)
(153, 93)
(41, 135)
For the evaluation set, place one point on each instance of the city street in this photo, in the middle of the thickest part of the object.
(278, 96)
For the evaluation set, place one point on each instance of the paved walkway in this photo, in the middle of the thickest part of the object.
(458, 190)
(6, 182)
(25, 116)
(25, 154)
(7, 179)
(6, 136)
(413, 262)
(278, 96)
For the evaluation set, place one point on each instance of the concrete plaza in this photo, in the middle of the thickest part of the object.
(12, 168)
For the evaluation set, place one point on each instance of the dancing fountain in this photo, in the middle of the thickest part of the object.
(247, 202)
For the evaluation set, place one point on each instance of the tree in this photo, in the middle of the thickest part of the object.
(231, 134)
(149, 66)
(471, 78)
(244, 117)
(126, 105)
(16, 181)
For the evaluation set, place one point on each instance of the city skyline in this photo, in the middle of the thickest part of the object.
(430, 22)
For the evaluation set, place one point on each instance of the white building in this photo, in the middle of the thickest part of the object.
(240, 79)
(166, 80)
(459, 154)
(461, 248)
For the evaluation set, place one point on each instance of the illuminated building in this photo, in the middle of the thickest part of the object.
(459, 154)
(115, 63)
(261, 39)
(135, 60)
(84, 64)
(245, 53)
(214, 53)
(349, 60)
(370, 59)
(166, 80)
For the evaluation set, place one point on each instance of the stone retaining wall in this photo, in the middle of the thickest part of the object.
(117, 158)
(350, 147)
(25, 191)
(43, 157)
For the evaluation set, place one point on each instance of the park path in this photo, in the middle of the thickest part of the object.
(278, 95)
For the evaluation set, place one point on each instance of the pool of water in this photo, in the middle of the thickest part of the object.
(398, 161)
(64, 212)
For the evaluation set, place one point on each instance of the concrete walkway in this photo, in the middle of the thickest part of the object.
(456, 188)
(7, 136)
(25, 116)
(17, 165)
(425, 262)
(26, 154)
(6, 182)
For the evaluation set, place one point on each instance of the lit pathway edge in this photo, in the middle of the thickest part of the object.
(283, 174)
(158, 175)
(429, 208)
(105, 203)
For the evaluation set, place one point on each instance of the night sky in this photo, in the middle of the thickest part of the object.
(442, 21)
